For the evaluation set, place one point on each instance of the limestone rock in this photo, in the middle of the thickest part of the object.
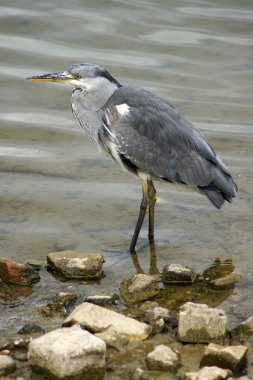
(77, 265)
(17, 274)
(97, 319)
(68, 352)
(200, 324)
(208, 373)
(7, 365)
(163, 358)
(138, 288)
(112, 338)
(228, 357)
(177, 273)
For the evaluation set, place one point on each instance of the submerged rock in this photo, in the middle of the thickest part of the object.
(68, 352)
(97, 319)
(7, 365)
(138, 288)
(102, 300)
(227, 281)
(31, 328)
(177, 273)
(208, 373)
(200, 324)
(244, 330)
(17, 274)
(228, 357)
(163, 358)
(157, 317)
(77, 265)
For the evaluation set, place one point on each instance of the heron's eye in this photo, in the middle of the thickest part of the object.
(78, 76)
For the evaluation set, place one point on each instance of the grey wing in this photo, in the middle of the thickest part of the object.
(161, 143)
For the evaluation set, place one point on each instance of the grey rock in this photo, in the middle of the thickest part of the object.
(31, 328)
(7, 365)
(77, 265)
(156, 313)
(208, 373)
(102, 300)
(36, 264)
(97, 319)
(138, 288)
(177, 273)
(226, 281)
(68, 352)
(163, 358)
(200, 324)
(228, 357)
(112, 338)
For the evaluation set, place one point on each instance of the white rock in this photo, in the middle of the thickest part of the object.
(200, 324)
(163, 358)
(98, 319)
(208, 373)
(228, 357)
(68, 352)
(7, 365)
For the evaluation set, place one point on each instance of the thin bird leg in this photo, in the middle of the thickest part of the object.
(143, 208)
(152, 200)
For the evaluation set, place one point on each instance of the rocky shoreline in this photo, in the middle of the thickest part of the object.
(129, 335)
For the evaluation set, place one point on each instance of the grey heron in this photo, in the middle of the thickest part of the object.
(146, 135)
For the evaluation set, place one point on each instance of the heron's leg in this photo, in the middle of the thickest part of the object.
(152, 200)
(143, 208)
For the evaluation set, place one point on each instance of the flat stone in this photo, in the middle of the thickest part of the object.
(7, 365)
(163, 358)
(177, 273)
(200, 324)
(102, 300)
(138, 288)
(226, 281)
(17, 274)
(68, 352)
(36, 264)
(77, 265)
(208, 373)
(227, 357)
(97, 319)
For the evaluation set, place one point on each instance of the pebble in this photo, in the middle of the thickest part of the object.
(228, 357)
(7, 365)
(177, 273)
(68, 352)
(163, 358)
(17, 274)
(208, 373)
(138, 288)
(200, 324)
(97, 319)
(77, 265)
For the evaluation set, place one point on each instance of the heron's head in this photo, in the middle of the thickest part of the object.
(86, 76)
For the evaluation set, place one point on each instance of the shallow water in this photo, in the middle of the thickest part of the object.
(58, 192)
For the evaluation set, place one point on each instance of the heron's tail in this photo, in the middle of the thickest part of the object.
(222, 188)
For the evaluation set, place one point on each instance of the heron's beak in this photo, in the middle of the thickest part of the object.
(62, 77)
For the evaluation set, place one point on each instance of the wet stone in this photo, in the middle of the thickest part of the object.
(200, 324)
(227, 281)
(77, 265)
(244, 330)
(35, 264)
(97, 319)
(68, 352)
(163, 358)
(138, 288)
(156, 313)
(208, 373)
(31, 328)
(140, 374)
(102, 300)
(7, 365)
(177, 273)
(17, 274)
(228, 357)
